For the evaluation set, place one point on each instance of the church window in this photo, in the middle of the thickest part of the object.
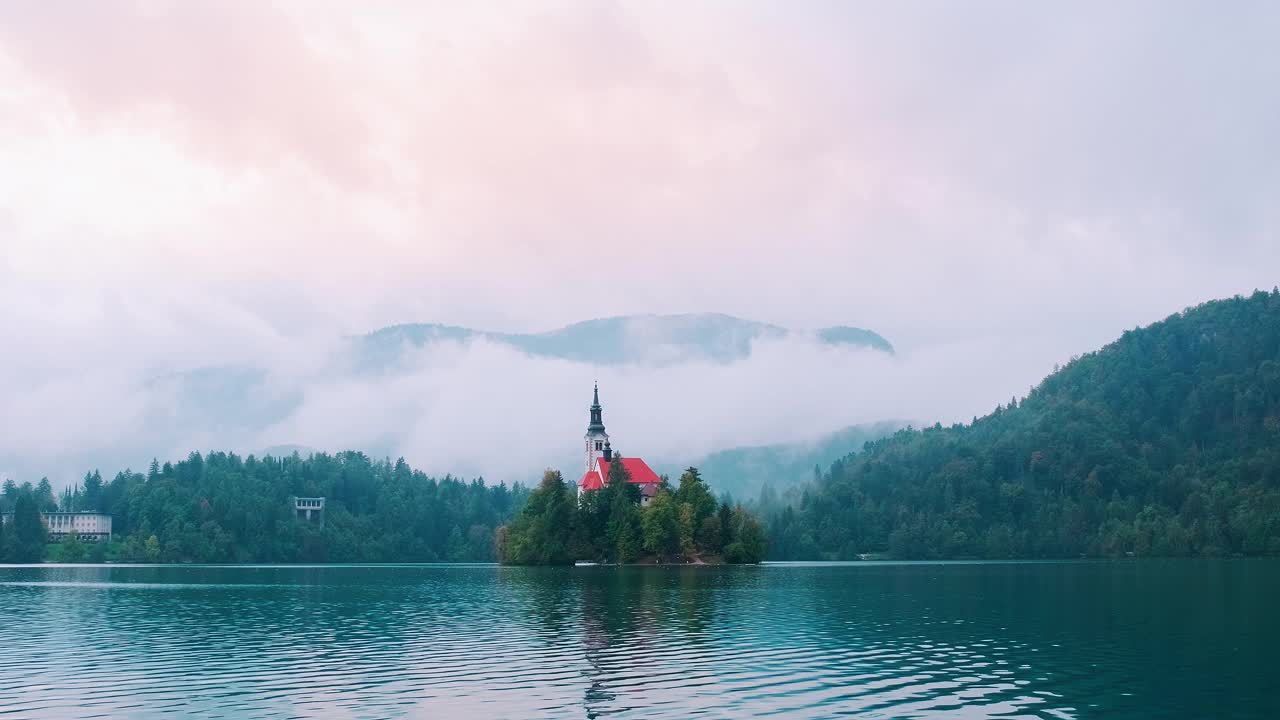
(599, 445)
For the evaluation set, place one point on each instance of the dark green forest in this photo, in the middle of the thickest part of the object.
(1164, 443)
(611, 525)
(221, 508)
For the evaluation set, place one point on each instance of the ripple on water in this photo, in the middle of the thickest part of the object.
(811, 641)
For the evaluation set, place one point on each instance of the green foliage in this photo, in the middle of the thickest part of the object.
(710, 534)
(27, 536)
(540, 534)
(611, 525)
(1165, 442)
(71, 549)
(686, 529)
(661, 526)
(694, 493)
(45, 501)
(627, 542)
(749, 544)
(151, 550)
(746, 471)
(222, 508)
(623, 529)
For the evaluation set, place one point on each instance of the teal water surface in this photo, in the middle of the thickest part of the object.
(1138, 639)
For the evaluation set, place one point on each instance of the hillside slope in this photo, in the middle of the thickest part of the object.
(742, 472)
(1165, 442)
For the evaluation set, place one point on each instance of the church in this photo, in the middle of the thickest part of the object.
(599, 455)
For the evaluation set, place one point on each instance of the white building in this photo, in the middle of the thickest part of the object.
(309, 509)
(600, 456)
(88, 525)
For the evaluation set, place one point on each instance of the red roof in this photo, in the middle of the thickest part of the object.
(639, 470)
(591, 481)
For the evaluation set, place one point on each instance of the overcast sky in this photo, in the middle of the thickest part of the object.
(182, 183)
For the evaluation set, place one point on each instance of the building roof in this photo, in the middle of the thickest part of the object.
(639, 470)
(591, 480)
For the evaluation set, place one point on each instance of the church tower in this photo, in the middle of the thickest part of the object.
(597, 439)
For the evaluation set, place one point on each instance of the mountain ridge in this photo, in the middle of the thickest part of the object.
(621, 339)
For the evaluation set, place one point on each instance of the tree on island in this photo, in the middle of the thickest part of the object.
(661, 523)
(623, 530)
(611, 525)
(696, 504)
(541, 532)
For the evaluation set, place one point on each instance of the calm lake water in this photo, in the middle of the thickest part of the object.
(1146, 639)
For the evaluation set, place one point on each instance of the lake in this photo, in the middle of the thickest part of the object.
(1136, 639)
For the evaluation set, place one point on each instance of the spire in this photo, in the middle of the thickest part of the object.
(597, 421)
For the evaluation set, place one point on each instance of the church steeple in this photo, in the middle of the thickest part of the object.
(596, 438)
(597, 421)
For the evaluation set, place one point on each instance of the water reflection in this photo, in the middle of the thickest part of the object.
(1187, 639)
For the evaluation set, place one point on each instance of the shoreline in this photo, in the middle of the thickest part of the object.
(773, 563)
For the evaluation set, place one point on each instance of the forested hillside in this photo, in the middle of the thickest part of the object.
(1165, 442)
(222, 508)
(742, 472)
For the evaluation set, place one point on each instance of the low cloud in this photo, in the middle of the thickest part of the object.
(482, 408)
(199, 199)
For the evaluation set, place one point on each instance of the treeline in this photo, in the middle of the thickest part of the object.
(222, 508)
(23, 536)
(1164, 443)
(611, 526)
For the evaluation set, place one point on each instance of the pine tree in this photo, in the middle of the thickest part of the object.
(29, 534)
(661, 526)
(749, 545)
(540, 534)
(726, 525)
(695, 494)
(45, 500)
(628, 544)
(4, 536)
(93, 492)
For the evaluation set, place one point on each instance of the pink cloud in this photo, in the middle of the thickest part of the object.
(235, 79)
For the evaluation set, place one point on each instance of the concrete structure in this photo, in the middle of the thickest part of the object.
(309, 508)
(600, 456)
(90, 526)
